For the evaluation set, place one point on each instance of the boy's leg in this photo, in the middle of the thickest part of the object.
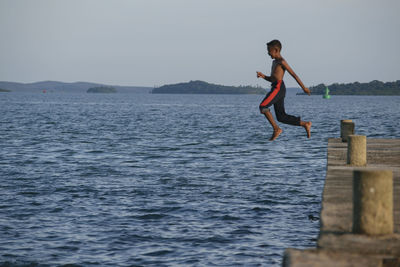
(307, 125)
(283, 117)
(267, 102)
(281, 114)
(270, 118)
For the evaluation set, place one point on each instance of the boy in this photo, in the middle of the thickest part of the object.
(276, 96)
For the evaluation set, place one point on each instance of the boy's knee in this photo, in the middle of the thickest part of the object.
(264, 110)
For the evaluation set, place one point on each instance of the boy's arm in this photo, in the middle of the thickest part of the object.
(265, 77)
(294, 75)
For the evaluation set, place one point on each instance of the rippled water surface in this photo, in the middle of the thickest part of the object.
(165, 180)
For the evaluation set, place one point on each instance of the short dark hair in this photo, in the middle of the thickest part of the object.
(275, 43)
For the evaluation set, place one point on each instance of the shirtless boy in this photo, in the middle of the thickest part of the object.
(276, 96)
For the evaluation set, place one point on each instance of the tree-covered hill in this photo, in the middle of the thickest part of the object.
(75, 87)
(372, 88)
(102, 89)
(200, 87)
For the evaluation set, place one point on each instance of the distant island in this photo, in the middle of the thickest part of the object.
(4, 90)
(201, 87)
(102, 89)
(63, 87)
(372, 88)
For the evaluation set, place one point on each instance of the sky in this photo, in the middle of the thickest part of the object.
(157, 42)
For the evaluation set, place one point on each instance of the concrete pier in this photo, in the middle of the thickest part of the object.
(337, 244)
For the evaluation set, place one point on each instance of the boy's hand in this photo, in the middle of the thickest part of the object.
(307, 91)
(260, 75)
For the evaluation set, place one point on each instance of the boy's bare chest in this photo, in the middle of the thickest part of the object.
(276, 69)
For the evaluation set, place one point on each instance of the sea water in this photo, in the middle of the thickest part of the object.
(166, 180)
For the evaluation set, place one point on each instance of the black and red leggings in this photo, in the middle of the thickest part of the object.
(276, 97)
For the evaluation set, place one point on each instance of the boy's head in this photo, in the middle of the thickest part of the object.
(274, 48)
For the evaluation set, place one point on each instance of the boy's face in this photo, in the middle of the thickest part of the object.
(273, 52)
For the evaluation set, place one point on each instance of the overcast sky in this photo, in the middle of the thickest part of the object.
(156, 42)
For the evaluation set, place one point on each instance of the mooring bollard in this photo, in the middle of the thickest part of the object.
(346, 129)
(357, 150)
(373, 202)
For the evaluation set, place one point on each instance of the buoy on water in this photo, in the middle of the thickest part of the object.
(326, 95)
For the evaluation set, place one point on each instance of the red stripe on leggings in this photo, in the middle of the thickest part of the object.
(272, 95)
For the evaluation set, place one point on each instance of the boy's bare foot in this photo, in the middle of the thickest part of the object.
(275, 134)
(307, 126)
